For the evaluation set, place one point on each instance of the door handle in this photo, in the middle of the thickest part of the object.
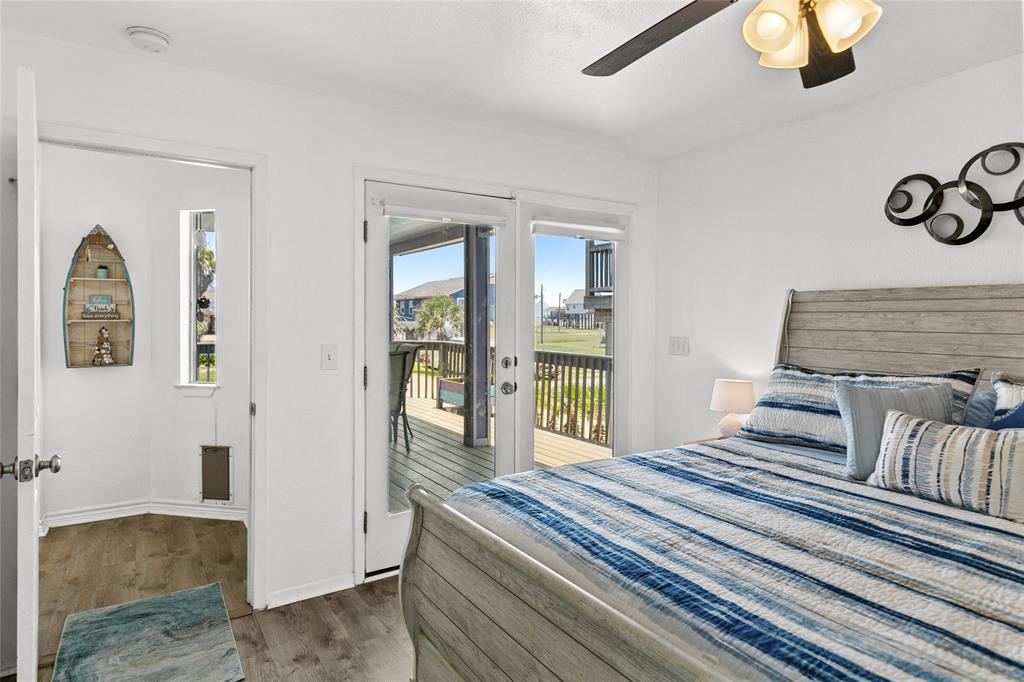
(53, 464)
(9, 469)
(508, 388)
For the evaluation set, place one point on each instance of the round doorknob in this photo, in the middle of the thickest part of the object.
(508, 388)
(53, 464)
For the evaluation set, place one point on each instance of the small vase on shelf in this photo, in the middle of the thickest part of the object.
(101, 271)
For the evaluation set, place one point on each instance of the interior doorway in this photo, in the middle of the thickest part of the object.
(145, 267)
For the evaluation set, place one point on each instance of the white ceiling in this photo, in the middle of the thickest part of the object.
(516, 65)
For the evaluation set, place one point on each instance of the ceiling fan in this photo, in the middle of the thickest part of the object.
(814, 36)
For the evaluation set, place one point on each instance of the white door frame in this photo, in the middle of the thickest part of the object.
(528, 204)
(256, 164)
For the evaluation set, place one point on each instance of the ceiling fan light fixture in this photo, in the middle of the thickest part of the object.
(845, 22)
(772, 25)
(792, 56)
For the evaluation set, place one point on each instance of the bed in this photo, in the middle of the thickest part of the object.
(735, 559)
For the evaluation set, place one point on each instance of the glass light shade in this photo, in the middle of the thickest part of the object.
(792, 56)
(771, 25)
(844, 22)
(732, 395)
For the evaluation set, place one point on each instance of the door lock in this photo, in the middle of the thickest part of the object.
(26, 470)
(507, 362)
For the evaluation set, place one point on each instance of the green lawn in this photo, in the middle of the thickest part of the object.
(586, 341)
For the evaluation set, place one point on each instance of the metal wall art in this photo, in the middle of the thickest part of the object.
(947, 227)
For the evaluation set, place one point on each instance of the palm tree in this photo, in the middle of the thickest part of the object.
(434, 313)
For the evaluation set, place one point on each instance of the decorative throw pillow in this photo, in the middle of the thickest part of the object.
(863, 410)
(976, 469)
(799, 405)
(980, 409)
(1009, 412)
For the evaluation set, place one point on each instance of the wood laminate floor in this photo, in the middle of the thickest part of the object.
(357, 634)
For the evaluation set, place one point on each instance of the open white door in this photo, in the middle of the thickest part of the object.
(29, 379)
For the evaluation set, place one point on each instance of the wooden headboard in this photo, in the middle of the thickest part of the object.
(906, 331)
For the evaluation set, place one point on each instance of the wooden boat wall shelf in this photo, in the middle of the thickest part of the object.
(97, 294)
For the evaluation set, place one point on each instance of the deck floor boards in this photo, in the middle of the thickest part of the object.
(439, 459)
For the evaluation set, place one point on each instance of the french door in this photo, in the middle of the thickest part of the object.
(440, 364)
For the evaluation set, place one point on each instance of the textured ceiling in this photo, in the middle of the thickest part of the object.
(516, 65)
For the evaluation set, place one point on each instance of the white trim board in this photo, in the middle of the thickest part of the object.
(107, 512)
(310, 590)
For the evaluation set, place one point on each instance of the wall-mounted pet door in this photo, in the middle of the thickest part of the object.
(216, 473)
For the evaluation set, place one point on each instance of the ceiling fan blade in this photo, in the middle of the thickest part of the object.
(656, 36)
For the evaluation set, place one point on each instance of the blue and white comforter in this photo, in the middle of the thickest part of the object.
(775, 566)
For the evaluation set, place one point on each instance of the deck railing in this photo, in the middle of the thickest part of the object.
(572, 391)
(572, 394)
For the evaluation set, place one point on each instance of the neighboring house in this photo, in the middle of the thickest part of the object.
(574, 303)
(409, 300)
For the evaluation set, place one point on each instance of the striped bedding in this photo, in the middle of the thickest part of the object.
(773, 565)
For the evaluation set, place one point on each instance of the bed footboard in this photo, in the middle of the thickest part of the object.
(477, 608)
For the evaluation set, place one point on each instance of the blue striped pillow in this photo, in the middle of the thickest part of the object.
(1009, 412)
(799, 405)
(977, 469)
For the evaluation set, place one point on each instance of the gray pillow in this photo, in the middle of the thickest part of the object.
(863, 412)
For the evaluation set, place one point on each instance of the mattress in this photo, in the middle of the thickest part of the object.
(774, 565)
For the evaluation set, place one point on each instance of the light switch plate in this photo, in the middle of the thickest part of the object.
(329, 356)
(679, 345)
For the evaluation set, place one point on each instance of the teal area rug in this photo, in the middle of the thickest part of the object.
(177, 636)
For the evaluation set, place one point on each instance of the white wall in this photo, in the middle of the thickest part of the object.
(126, 434)
(802, 207)
(311, 144)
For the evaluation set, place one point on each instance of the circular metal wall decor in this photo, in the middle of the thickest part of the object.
(956, 236)
(900, 201)
(948, 227)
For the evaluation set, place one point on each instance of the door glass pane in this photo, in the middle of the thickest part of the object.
(440, 357)
(574, 319)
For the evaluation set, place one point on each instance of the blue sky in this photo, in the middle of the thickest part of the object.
(559, 267)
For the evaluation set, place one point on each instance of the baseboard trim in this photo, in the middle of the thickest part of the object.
(103, 512)
(316, 588)
(135, 508)
(221, 512)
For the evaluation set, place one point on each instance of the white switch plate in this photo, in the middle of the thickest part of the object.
(679, 345)
(329, 356)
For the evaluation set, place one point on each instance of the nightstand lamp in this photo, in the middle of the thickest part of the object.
(732, 396)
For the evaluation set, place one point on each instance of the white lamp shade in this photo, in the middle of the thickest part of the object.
(793, 56)
(771, 25)
(732, 395)
(844, 22)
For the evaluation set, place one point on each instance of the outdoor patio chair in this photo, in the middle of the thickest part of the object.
(402, 357)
